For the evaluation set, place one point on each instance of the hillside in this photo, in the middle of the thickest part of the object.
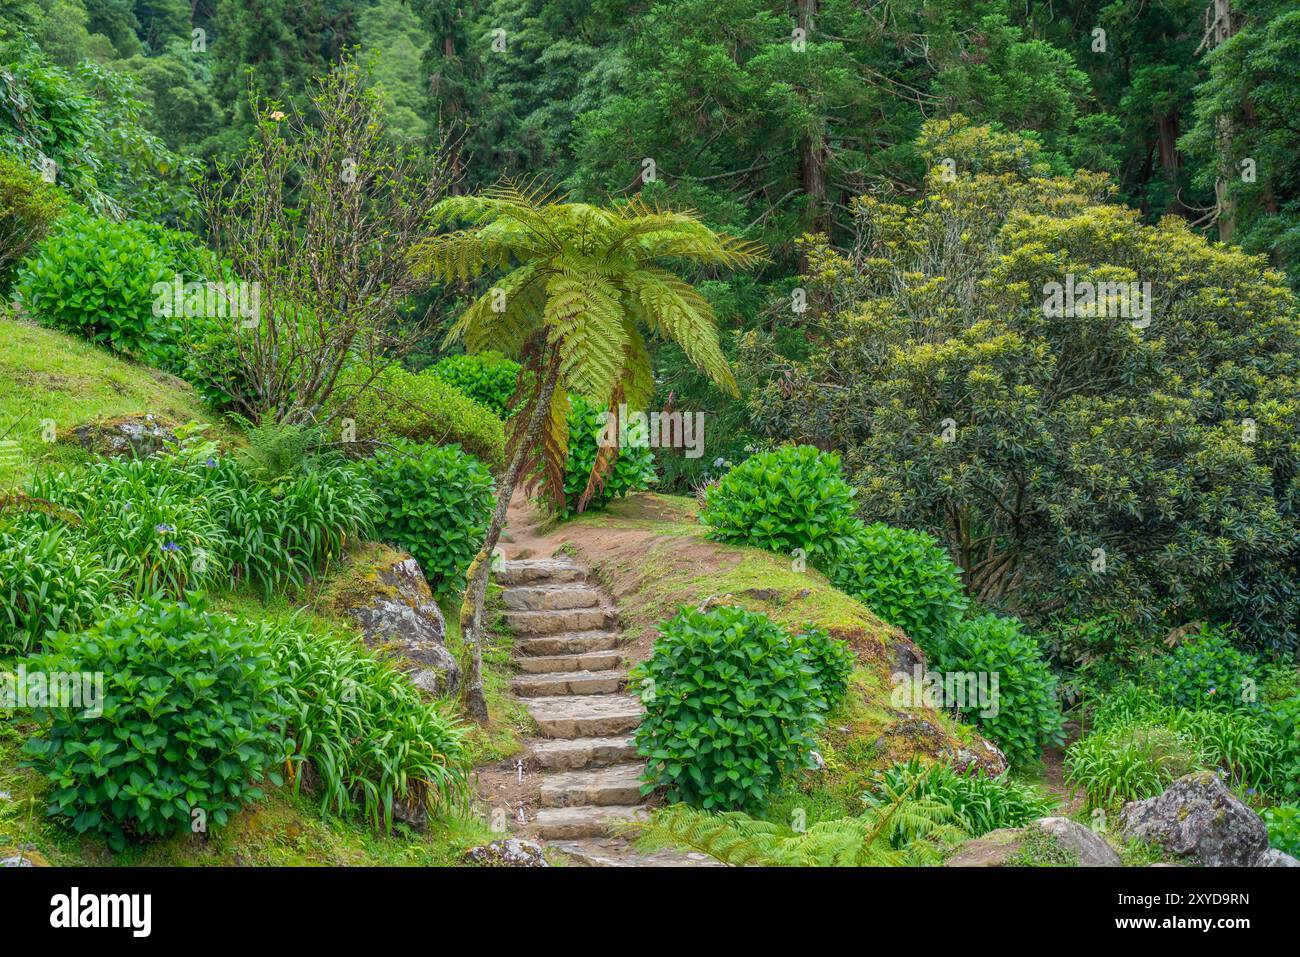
(49, 375)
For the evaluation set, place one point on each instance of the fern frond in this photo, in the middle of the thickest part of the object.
(686, 317)
(584, 319)
(901, 831)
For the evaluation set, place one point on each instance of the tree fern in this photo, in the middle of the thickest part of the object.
(581, 284)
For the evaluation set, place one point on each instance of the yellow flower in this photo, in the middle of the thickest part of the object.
(277, 116)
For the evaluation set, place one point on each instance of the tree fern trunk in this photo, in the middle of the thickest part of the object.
(471, 609)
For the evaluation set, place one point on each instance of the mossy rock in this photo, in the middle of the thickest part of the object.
(139, 434)
(384, 592)
(22, 857)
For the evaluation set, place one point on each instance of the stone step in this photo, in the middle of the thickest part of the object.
(533, 598)
(619, 852)
(585, 716)
(571, 643)
(618, 784)
(525, 623)
(547, 664)
(569, 682)
(572, 823)
(571, 754)
(527, 570)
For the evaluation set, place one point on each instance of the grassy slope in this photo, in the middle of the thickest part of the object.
(664, 562)
(46, 374)
(49, 375)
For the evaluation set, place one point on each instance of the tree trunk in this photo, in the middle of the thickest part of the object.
(471, 609)
(1219, 30)
(813, 153)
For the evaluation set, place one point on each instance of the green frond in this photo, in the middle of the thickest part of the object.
(482, 327)
(901, 831)
(683, 315)
(584, 319)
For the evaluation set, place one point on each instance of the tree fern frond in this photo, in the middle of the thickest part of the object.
(685, 317)
(584, 318)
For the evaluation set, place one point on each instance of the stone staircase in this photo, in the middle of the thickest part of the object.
(572, 680)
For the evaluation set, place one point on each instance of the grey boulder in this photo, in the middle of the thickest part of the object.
(1197, 816)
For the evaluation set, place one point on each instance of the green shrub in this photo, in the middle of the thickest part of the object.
(982, 804)
(1207, 671)
(1028, 714)
(1282, 710)
(1129, 762)
(374, 743)
(1283, 823)
(49, 580)
(1244, 747)
(790, 498)
(487, 377)
(190, 722)
(906, 578)
(435, 502)
(731, 699)
(633, 469)
(28, 208)
(832, 662)
(95, 278)
(420, 407)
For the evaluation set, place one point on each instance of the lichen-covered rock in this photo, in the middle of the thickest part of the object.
(1272, 857)
(1091, 848)
(983, 756)
(25, 856)
(997, 848)
(1197, 816)
(509, 852)
(991, 850)
(386, 594)
(140, 435)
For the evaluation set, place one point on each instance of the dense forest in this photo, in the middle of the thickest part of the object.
(652, 408)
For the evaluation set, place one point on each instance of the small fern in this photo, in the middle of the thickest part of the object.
(901, 830)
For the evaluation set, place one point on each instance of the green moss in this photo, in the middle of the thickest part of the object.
(46, 374)
(358, 580)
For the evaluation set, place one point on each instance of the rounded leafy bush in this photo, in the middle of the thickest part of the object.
(1207, 671)
(188, 725)
(1283, 823)
(95, 278)
(50, 579)
(731, 698)
(633, 470)
(832, 662)
(905, 577)
(28, 208)
(435, 501)
(790, 498)
(1026, 715)
(488, 378)
(397, 404)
